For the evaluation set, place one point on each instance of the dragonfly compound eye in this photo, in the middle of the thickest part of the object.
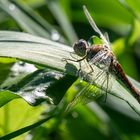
(80, 48)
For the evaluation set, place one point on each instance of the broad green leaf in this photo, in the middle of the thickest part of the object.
(42, 85)
(16, 115)
(17, 72)
(5, 66)
(6, 96)
(33, 87)
(59, 88)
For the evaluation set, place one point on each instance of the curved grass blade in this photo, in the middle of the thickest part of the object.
(33, 49)
(59, 14)
(129, 8)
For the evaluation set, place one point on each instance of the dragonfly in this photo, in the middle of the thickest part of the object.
(100, 55)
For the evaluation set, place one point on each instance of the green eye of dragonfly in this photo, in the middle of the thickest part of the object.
(94, 40)
(80, 47)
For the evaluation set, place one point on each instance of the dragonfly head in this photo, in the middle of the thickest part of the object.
(80, 48)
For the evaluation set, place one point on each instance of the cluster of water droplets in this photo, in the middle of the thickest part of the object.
(21, 67)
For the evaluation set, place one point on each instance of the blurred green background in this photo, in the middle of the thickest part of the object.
(64, 21)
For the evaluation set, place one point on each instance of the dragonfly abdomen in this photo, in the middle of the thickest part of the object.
(120, 75)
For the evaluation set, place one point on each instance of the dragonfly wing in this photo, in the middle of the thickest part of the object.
(107, 85)
(94, 26)
(78, 98)
(101, 60)
(104, 63)
(90, 92)
(103, 81)
(100, 55)
(106, 36)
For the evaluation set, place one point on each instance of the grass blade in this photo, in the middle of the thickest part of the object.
(62, 19)
(29, 21)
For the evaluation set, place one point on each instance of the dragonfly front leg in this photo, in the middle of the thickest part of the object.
(85, 69)
(74, 58)
(79, 72)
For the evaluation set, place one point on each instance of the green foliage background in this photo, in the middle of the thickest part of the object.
(65, 22)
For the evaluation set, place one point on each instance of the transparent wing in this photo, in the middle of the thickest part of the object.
(94, 26)
(99, 56)
(90, 92)
(107, 37)
(102, 60)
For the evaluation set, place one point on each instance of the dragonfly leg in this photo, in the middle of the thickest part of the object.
(91, 69)
(74, 59)
(79, 72)
(72, 55)
(88, 73)
(82, 75)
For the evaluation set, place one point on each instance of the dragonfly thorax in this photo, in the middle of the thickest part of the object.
(94, 49)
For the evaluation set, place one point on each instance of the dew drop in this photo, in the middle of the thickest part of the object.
(55, 36)
(75, 115)
(21, 67)
(12, 7)
(29, 137)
